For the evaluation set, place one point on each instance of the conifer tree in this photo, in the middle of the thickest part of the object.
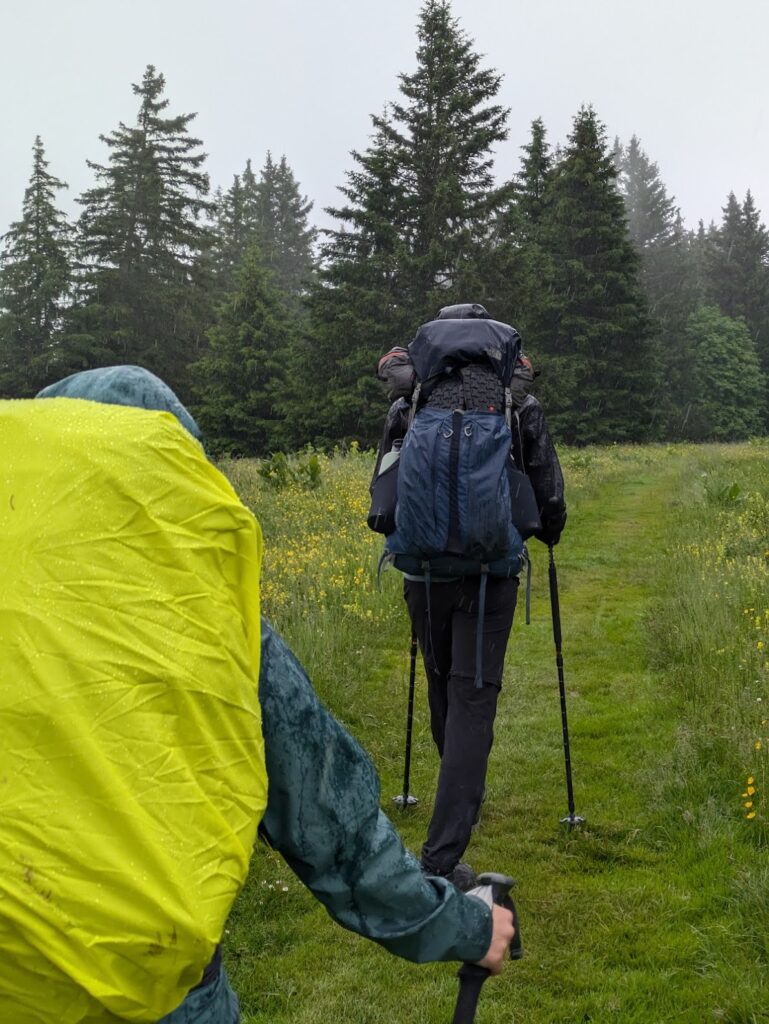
(141, 240)
(283, 231)
(725, 260)
(738, 269)
(240, 381)
(520, 261)
(268, 212)
(232, 234)
(699, 244)
(443, 133)
(600, 372)
(250, 184)
(533, 180)
(651, 213)
(667, 276)
(656, 230)
(356, 308)
(35, 271)
(417, 217)
(756, 248)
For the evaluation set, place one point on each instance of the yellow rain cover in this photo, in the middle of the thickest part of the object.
(132, 774)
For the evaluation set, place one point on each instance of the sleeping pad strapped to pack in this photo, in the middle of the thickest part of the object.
(132, 774)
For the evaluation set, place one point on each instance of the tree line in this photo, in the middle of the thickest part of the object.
(270, 330)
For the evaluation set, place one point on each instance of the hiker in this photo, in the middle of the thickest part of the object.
(462, 612)
(137, 758)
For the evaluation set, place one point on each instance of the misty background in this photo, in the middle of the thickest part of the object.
(262, 201)
(301, 78)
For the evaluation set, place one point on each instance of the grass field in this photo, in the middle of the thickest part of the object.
(657, 909)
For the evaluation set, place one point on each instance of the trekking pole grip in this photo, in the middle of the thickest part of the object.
(492, 888)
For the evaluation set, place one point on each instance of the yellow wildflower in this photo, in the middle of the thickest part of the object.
(752, 814)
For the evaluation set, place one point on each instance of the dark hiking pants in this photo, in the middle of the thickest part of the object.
(461, 714)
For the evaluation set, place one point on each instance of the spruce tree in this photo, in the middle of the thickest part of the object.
(533, 180)
(270, 213)
(656, 231)
(443, 133)
(520, 261)
(651, 213)
(141, 241)
(738, 269)
(725, 269)
(240, 381)
(415, 223)
(232, 235)
(283, 232)
(756, 248)
(35, 272)
(699, 244)
(356, 307)
(600, 372)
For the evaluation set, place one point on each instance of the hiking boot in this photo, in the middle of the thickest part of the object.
(463, 877)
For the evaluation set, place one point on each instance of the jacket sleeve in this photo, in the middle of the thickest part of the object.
(544, 470)
(323, 817)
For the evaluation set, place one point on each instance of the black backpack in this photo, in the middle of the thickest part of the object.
(462, 361)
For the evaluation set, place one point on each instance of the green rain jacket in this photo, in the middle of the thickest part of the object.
(323, 817)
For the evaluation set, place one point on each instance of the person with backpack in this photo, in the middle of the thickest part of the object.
(466, 472)
(151, 720)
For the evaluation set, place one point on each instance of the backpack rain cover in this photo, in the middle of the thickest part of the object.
(132, 774)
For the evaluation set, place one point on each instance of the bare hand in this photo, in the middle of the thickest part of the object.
(502, 932)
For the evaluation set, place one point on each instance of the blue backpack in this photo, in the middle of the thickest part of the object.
(457, 485)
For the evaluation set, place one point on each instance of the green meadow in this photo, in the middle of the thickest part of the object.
(657, 908)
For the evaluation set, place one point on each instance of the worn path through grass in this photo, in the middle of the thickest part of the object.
(625, 919)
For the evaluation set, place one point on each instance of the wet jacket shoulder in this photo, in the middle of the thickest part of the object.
(323, 817)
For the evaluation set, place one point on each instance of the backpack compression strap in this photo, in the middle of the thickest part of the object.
(414, 403)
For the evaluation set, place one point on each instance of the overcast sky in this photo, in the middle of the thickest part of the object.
(302, 77)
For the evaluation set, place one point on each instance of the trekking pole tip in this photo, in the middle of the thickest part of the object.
(572, 820)
(401, 801)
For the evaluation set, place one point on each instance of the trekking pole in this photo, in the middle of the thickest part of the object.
(405, 799)
(571, 818)
(492, 888)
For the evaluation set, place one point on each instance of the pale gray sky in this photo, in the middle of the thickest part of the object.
(301, 77)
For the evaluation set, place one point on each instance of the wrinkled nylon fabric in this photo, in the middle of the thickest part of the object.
(132, 775)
